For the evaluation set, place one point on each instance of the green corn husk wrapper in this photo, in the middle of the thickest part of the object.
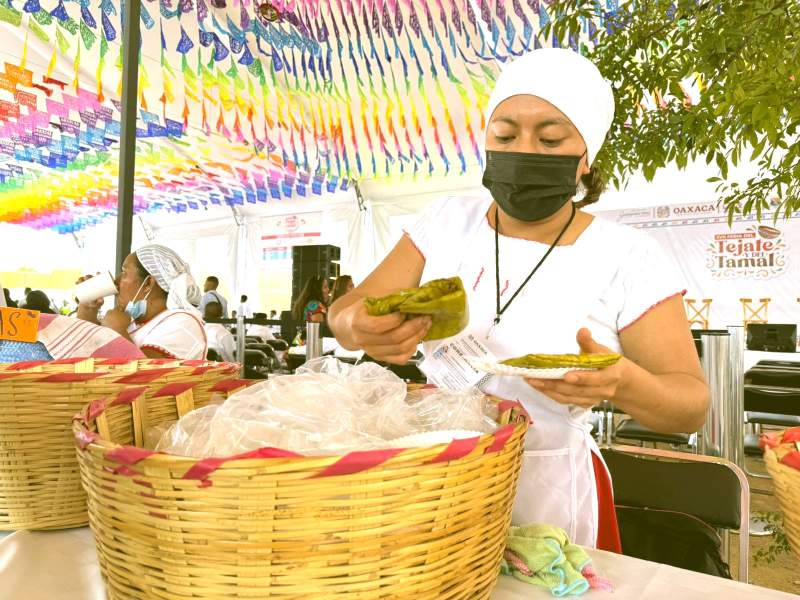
(443, 299)
(563, 361)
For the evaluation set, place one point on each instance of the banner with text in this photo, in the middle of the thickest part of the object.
(748, 260)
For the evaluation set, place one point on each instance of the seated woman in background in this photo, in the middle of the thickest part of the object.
(155, 305)
(312, 304)
(263, 332)
(219, 338)
(61, 338)
(343, 285)
(5, 298)
(38, 300)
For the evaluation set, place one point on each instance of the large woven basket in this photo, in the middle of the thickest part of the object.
(787, 489)
(40, 484)
(425, 523)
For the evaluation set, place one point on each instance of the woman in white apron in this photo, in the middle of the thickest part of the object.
(155, 305)
(544, 277)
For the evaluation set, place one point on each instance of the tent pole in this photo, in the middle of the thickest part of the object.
(131, 41)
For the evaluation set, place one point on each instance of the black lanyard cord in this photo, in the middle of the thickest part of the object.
(500, 310)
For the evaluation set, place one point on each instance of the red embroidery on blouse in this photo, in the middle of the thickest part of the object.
(166, 353)
(410, 239)
(659, 303)
(478, 280)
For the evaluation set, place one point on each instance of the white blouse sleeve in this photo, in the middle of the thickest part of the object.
(649, 278)
(228, 347)
(178, 335)
(423, 232)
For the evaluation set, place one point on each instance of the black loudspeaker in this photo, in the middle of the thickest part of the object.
(313, 261)
(312, 254)
(772, 337)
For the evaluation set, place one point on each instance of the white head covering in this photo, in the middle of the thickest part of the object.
(566, 80)
(172, 275)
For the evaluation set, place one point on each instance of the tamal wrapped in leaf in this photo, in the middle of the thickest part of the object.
(563, 361)
(443, 299)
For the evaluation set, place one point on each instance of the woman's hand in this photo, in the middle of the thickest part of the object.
(391, 338)
(118, 320)
(584, 388)
(87, 311)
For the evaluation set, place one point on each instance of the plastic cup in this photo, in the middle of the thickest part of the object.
(95, 288)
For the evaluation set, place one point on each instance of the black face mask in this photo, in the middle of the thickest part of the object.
(530, 187)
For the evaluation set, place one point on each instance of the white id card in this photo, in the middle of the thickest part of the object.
(447, 368)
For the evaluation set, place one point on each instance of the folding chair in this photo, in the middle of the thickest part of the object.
(757, 314)
(694, 489)
(256, 364)
(632, 430)
(782, 364)
(698, 315)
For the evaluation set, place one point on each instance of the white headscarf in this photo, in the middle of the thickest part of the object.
(172, 275)
(566, 80)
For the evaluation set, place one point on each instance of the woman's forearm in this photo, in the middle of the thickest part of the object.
(336, 319)
(671, 402)
(87, 313)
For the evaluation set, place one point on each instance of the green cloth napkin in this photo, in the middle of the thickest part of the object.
(553, 561)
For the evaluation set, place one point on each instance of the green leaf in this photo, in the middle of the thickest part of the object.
(722, 163)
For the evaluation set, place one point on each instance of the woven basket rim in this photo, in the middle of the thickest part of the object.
(31, 367)
(771, 456)
(512, 419)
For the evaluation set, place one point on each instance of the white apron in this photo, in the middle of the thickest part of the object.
(176, 333)
(557, 483)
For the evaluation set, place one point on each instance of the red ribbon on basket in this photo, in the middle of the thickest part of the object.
(792, 459)
(127, 472)
(83, 438)
(145, 376)
(500, 438)
(68, 361)
(173, 389)
(95, 409)
(228, 385)
(791, 435)
(203, 468)
(202, 370)
(785, 444)
(457, 449)
(70, 377)
(115, 361)
(128, 396)
(28, 364)
(506, 405)
(776, 438)
(355, 462)
(128, 455)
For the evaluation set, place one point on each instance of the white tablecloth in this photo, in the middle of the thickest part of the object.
(62, 565)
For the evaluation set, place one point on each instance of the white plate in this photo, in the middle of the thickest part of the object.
(431, 438)
(496, 368)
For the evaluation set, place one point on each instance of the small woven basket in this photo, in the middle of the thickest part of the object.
(40, 484)
(787, 489)
(424, 523)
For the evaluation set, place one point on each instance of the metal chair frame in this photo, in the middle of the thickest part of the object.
(744, 524)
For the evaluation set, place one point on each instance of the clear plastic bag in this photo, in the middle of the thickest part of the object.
(431, 409)
(327, 407)
(190, 435)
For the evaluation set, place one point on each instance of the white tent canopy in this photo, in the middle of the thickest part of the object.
(227, 242)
